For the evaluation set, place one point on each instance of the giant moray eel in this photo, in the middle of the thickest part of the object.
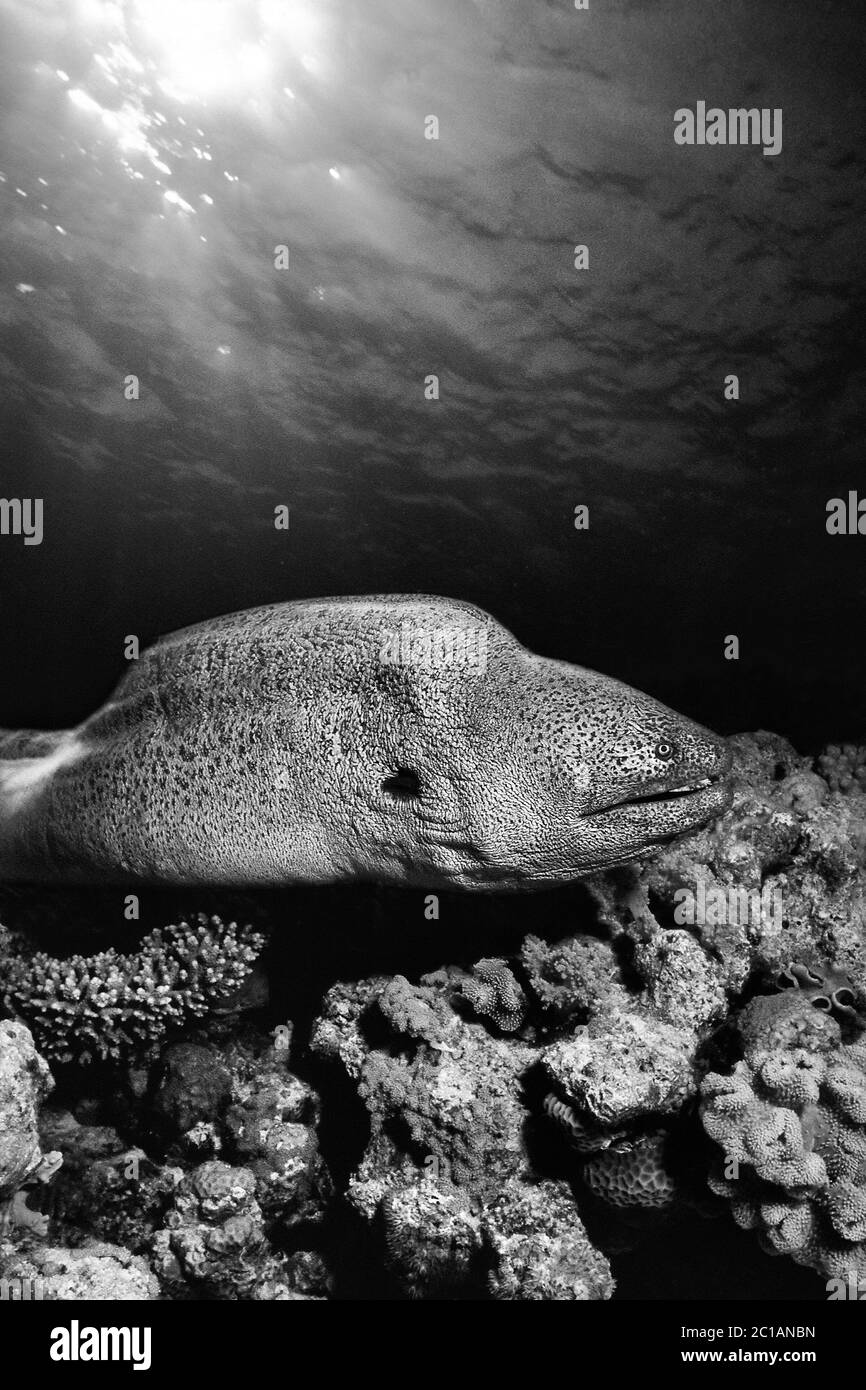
(401, 738)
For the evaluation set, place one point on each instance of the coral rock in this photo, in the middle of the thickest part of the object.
(24, 1082)
(432, 1238)
(214, 1237)
(193, 1087)
(617, 1072)
(95, 1271)
(539, 1249)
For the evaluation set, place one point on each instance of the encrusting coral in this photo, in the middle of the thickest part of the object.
(112, 1006)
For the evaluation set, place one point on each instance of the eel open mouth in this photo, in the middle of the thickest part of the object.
(652, 818)
(671, 794)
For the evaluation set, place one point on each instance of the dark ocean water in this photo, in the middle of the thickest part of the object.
(176, 154)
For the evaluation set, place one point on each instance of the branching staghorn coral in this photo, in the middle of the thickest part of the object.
(112, 1006)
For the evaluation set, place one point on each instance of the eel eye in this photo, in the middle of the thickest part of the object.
(665, 750)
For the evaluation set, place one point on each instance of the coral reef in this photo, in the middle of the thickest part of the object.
(615, 1021)
(446, 1169)
(112, 1006)
(212, 1228)
(790, 1120)
(214, 1237)
(92, 1271)
(690, 1025)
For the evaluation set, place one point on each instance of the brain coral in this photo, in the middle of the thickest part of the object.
(586, 1135)
(790, 1120)
(632, 1177)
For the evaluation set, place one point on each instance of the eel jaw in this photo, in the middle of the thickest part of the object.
(639, 823)
(670, 794)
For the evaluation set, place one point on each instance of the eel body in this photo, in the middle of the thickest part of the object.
(405, 739)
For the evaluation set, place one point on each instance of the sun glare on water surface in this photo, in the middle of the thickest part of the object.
(157, 70)
(220, 50)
